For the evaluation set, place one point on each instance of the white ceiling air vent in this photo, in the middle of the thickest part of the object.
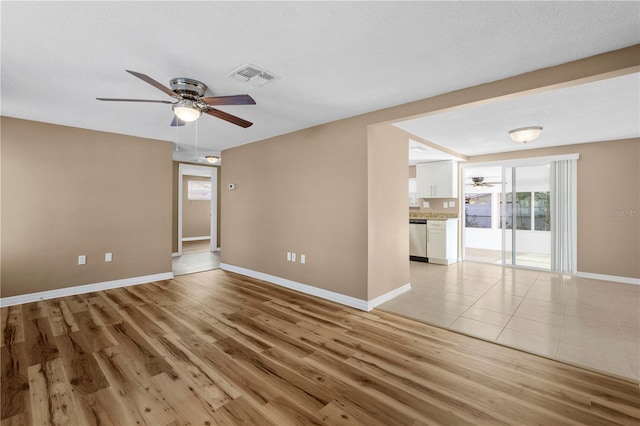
(252, 74)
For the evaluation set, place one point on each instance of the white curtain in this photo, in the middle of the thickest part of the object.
(563, 202)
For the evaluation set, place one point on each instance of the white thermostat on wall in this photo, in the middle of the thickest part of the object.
(232, 186)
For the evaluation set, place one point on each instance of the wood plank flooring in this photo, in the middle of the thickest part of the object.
(218, 348)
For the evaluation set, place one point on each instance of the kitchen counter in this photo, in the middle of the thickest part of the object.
(432, 216)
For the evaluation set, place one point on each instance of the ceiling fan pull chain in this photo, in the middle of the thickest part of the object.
(177, 138)
(196, 140)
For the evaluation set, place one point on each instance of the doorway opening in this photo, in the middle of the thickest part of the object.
(198, 249)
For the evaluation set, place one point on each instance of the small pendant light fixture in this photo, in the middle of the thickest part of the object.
(525, 134)
(212, 159)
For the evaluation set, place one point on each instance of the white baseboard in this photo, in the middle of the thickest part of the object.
(81, 289)
(206, 237)
(318, 292)
(176, 254)
(388, 296)
(624, 280)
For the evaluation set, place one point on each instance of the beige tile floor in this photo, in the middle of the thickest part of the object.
(590, 323)
(195, 262)
(531, 260)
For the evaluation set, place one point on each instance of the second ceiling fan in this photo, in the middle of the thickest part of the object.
(190, 101)
(479, 182)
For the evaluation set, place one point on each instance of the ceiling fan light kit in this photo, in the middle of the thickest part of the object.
(212, 159)
(186, 110)
(525, 134)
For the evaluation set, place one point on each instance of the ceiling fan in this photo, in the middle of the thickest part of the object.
(190, 103)
(479, 182)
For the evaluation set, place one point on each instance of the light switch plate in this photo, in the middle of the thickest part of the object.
(445, 205)
(82, 259)
(108, 257)
(452, 204)
(425, 204)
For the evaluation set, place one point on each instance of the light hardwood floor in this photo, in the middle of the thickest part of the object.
(218, 348)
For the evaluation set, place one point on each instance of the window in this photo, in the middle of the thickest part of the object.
(199, 190)
(477, 210)
(522, 211)
(413, 199)
(542, 211)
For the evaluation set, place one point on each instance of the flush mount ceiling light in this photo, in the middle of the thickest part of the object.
(525, 134)
(212, 159)
(186, 110)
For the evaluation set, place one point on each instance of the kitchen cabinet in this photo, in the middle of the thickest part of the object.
(437, 179)
(442, 241)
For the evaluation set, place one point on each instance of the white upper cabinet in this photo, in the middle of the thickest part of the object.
(438, 179)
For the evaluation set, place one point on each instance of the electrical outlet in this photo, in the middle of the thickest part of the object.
(425, 204)
(445, 205)
(108, 257)
(303, 259)
(288, 256)
(293, 257)
(82, 259)
(452, 204)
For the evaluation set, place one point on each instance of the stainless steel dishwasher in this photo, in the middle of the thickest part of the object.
(418, 240)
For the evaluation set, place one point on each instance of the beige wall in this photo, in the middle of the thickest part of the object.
(313, 191)
(304, 192)
(196, 214)
(67, 192)
(608, 181)
(174, 206)
(388, 229)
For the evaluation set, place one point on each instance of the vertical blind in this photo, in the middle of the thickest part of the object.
(563, 224)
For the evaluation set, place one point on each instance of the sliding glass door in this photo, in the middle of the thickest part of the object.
(525, 217)
(507, 215)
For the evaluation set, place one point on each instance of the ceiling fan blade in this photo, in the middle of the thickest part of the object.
(155, 84)
(229, 100)
(133, 100)
(177, 122)
(228, 117)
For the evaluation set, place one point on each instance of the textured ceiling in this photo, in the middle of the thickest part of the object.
(604, 110)
(335, 59)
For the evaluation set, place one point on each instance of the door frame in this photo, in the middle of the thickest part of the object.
(204, 171)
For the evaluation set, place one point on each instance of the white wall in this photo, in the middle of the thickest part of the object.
(491, 239)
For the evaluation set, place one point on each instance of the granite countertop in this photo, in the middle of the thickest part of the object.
(432, 216)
